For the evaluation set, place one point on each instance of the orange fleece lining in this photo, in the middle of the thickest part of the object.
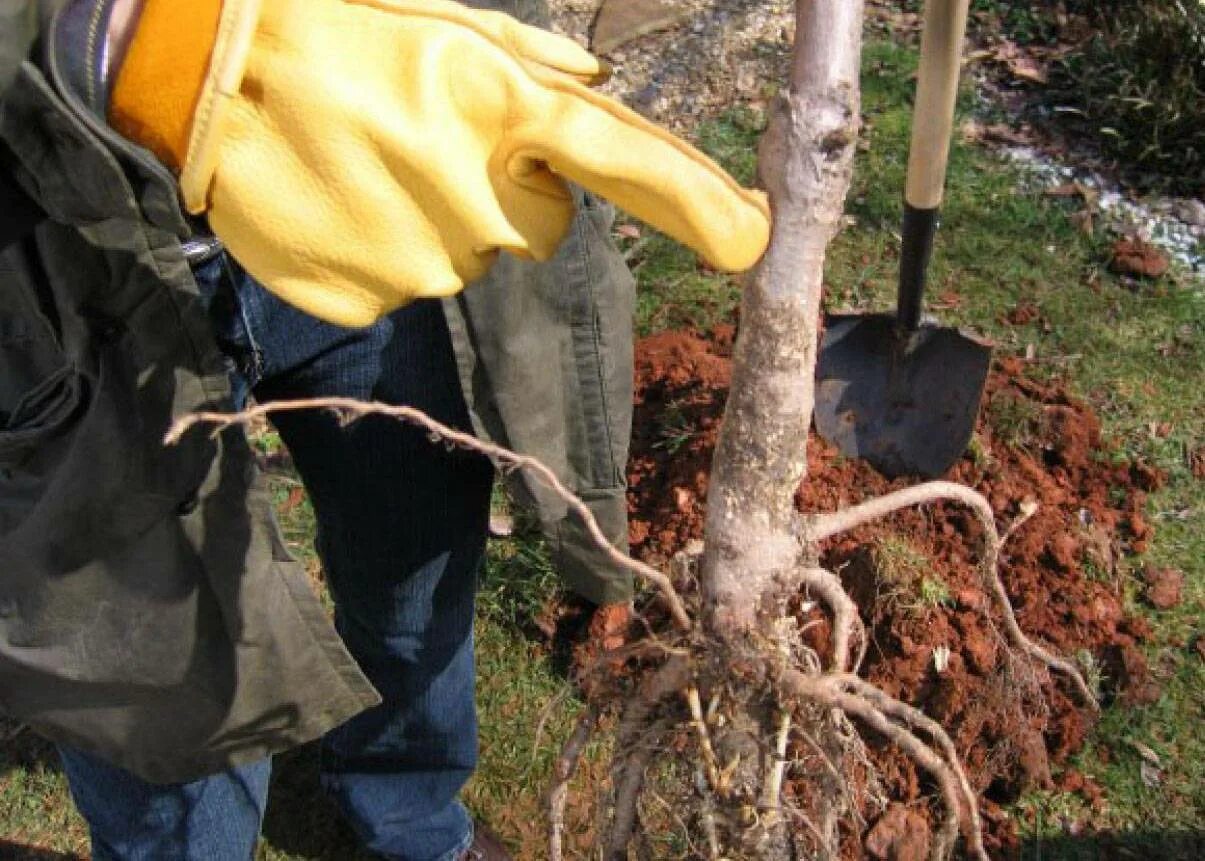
(161, 78)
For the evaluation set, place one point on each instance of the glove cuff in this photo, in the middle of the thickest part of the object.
(160, 80)
(175, 87)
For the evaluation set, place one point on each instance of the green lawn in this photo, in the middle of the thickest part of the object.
(1136, 352)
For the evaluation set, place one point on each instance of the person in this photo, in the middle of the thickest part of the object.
(151, 623)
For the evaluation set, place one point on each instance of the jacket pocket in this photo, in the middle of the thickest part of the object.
(39, 415)
(41, 392)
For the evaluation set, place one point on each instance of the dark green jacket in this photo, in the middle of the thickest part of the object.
(148, 610)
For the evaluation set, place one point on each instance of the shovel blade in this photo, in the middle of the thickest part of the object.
(904, 402)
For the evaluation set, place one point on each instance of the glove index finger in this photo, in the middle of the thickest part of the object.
(617, 154)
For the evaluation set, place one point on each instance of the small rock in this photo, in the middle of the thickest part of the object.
(1190, 211)
(899, 835)
(1135, 256)
(1164, 587)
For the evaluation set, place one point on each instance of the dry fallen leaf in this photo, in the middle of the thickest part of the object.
(1135, 256)
(1147, 754)
(1196, 462)
(1005, 134)
(1027, 69)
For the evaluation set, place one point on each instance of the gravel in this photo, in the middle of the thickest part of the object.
(726, 53)
(1177, 225)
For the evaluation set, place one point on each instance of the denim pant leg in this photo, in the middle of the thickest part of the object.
(217, 817)
(401, 532)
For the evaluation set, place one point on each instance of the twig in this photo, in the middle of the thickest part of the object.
(677, 817)
(350, 409)
(821, 840)
(562, 771)
(823, 526)
(546, 713)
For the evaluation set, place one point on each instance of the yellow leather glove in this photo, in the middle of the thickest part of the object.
(357, 155)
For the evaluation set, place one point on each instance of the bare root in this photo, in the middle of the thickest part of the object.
(563, 770)
(641, 729)
(837, 691)
(628, 787)
(846, 621)
(824, 526)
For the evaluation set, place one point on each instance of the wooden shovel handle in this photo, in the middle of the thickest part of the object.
(936, 90)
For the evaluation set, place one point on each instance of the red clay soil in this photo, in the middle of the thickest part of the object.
(1013, 725)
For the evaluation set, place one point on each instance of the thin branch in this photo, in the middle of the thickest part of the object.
(350, 409)
(838, 778)
(802, 818)
(821, 526)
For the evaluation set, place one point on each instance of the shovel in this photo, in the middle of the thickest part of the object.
(896, 390)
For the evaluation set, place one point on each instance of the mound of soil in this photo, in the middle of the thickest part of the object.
(915, 575)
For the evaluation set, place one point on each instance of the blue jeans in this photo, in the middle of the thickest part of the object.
(401, 527)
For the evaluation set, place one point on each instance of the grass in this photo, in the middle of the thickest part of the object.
(1136, 352)
(906, 576)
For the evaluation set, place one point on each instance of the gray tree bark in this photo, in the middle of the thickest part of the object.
(753, 551)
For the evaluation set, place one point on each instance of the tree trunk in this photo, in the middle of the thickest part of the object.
(753, 548)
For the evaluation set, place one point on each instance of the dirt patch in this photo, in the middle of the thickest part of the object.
(1164, 587)
(915, 576)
